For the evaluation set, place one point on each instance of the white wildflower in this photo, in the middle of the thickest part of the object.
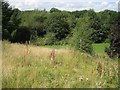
(86, 79)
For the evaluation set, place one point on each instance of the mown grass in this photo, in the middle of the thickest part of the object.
(100, 48)
(31, 67)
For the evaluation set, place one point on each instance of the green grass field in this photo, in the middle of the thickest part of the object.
(32, 67)
(97, 48)
(100, 48)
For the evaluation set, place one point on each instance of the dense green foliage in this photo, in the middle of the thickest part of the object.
(6, 14)
(22, 34)
(55, 27)
(56, 23)
(10, 21)
(114, 49)
(81, 38)
(0, 20)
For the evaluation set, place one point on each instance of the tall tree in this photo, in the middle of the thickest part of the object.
(54, 10)
(0, 20)
(98, 34)
(39, 25)
(6, 15)
(81, 39)
(10, 20)
(114, 49)
(56, 23)
(107, 18)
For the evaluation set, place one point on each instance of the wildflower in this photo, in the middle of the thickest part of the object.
(52, 55)
(96, 84)
(99, 68)
(110, 68)
(110, 73)
(104, 82)
(99, 83)
(81, 53)
(81, 78)
(86, 79)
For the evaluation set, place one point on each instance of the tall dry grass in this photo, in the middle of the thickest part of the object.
(27, 66)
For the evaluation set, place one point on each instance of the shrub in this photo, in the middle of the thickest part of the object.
(21, 35)
(48, 39)
(81, 38)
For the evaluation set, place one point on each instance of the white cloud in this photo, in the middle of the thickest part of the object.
(90, 2)
(105, 3)
(63, 4)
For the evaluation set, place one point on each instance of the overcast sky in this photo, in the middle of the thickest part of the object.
(70, 5)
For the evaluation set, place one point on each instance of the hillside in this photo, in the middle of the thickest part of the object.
(28, 66)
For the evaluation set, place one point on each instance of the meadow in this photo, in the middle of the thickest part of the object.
(29, 66)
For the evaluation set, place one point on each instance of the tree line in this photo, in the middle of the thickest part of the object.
(78, 29)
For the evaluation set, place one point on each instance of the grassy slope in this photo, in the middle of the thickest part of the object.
(69, 69)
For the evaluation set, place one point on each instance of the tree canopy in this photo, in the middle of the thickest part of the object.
(77, 28)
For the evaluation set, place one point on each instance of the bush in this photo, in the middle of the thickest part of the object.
(5, 34)
(49, 39)
(81, 38)
(21, 35)
(81, 43)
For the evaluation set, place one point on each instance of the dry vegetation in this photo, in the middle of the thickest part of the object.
(27, 66)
